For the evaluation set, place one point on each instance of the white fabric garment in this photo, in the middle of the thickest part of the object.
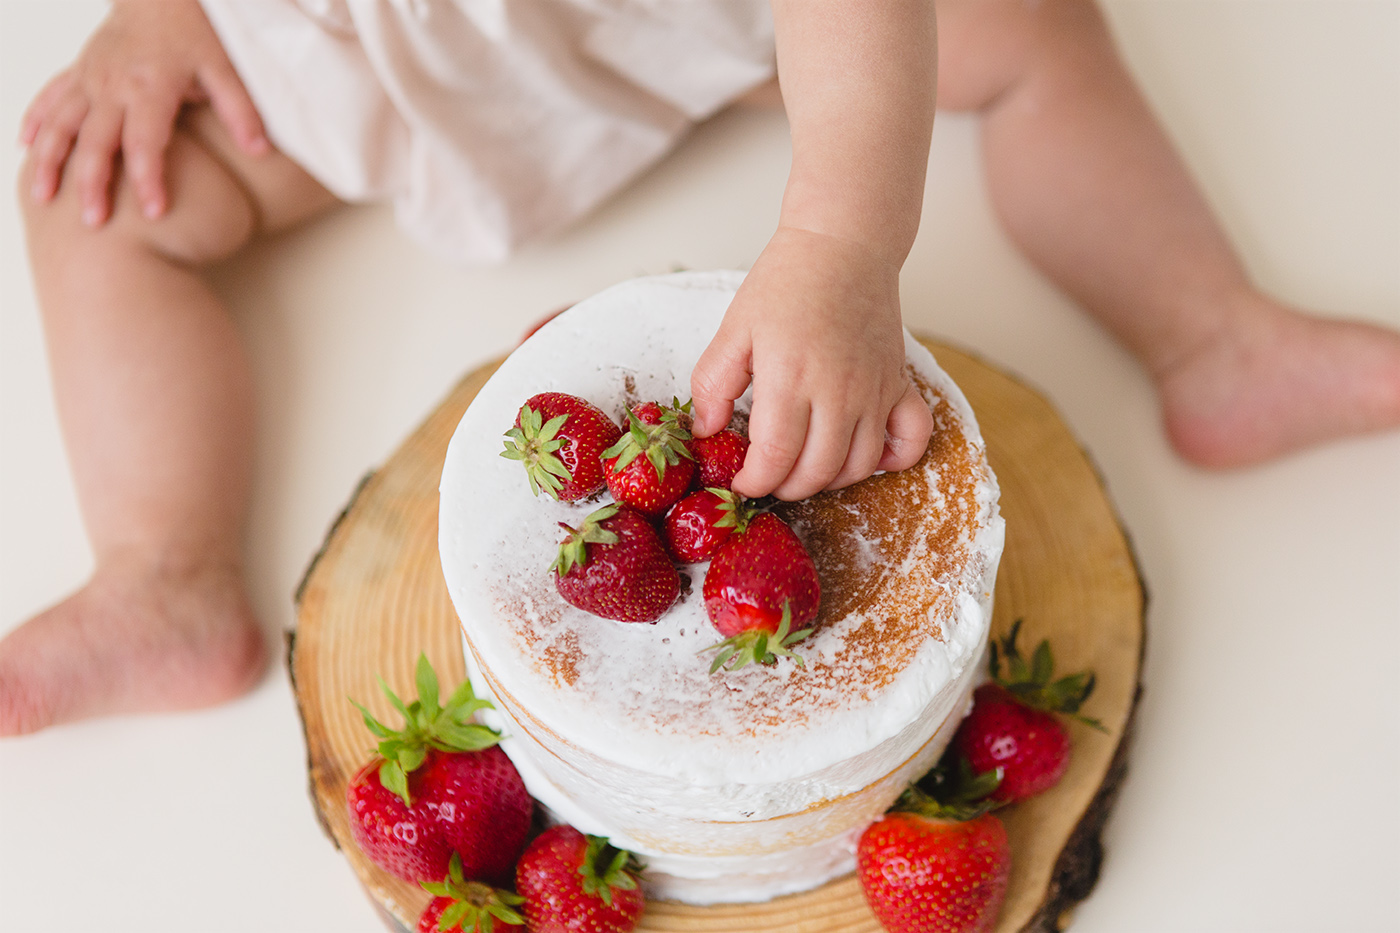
(488, 122)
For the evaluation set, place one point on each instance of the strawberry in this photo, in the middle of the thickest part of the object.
(560, 438)
(1030, 747)
(462, 906)
(650, 467)
(439, 785)
(1011, 725)
(930, 868)
(760, 585)
(615, 566)
(696, 526)
(719, 457)
(574, 883)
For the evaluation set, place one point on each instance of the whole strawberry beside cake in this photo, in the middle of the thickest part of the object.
(745, 782)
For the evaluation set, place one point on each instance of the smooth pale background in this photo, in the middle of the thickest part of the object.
(1264, 780)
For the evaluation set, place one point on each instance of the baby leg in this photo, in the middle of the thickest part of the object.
(1091, 189)
(155, 401)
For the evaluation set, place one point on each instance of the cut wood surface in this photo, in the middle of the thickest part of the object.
(374, 598)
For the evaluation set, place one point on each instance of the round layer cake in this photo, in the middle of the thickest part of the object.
(733, 786)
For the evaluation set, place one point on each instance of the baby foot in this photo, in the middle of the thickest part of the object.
(1274, 381)
(134, 639)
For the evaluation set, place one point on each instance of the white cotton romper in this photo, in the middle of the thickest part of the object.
(488, 123)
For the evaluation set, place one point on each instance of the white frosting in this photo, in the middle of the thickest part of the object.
(734, 786)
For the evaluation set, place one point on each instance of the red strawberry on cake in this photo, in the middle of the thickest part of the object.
(439, 786)
(560, 439)
(572, 883)
(696, 526)
(650, 467)
(719, 457)
(761, 592)
(615, 566)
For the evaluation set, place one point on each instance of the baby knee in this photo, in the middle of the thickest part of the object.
(208, 218)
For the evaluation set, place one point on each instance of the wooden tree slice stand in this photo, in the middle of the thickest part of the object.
(374, 598)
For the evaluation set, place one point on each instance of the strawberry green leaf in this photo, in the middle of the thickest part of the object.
(739, 650)
(1031, 683)
(452, 916)
(536, 445)
(410, 758)
(464, 703)
(374, 725)
(606, 868)
(658, 462)
(726, 651)
(736, 514)
(625, 458)
(1041, 664)
(395, 781)
(573, 552)
(427, 683)
(427, 725)
(952, 791)
(476, 905)
(394, 699)
(663, 444)
(550, 430)
(472, 737)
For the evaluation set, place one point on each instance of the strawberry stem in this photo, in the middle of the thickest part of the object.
(663, 444)
(757, 645)
(476, 905)
(448, 727)
(606, 868)
(735, 507)
(535, 444)
(1031, 683)
(951, 791)
(573, 552)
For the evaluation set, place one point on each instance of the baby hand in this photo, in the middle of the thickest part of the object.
(816, 327)
(122, 97)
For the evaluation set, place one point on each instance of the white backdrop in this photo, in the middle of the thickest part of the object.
(1264, 780)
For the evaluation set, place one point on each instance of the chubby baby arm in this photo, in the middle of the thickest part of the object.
(816, 327)
(122, 97)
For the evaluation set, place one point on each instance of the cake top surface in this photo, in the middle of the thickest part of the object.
(904, 559)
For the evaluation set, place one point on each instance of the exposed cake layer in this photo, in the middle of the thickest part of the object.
(724, 862)
(765, 773)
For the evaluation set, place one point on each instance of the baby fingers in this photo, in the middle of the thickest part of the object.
(719, 378)
(39, 109)
(98, 142)
(145, 138)
(824, 453)
(867, 447)
(907, 431)
(235, 109)
(53, 141)
(777, 435)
